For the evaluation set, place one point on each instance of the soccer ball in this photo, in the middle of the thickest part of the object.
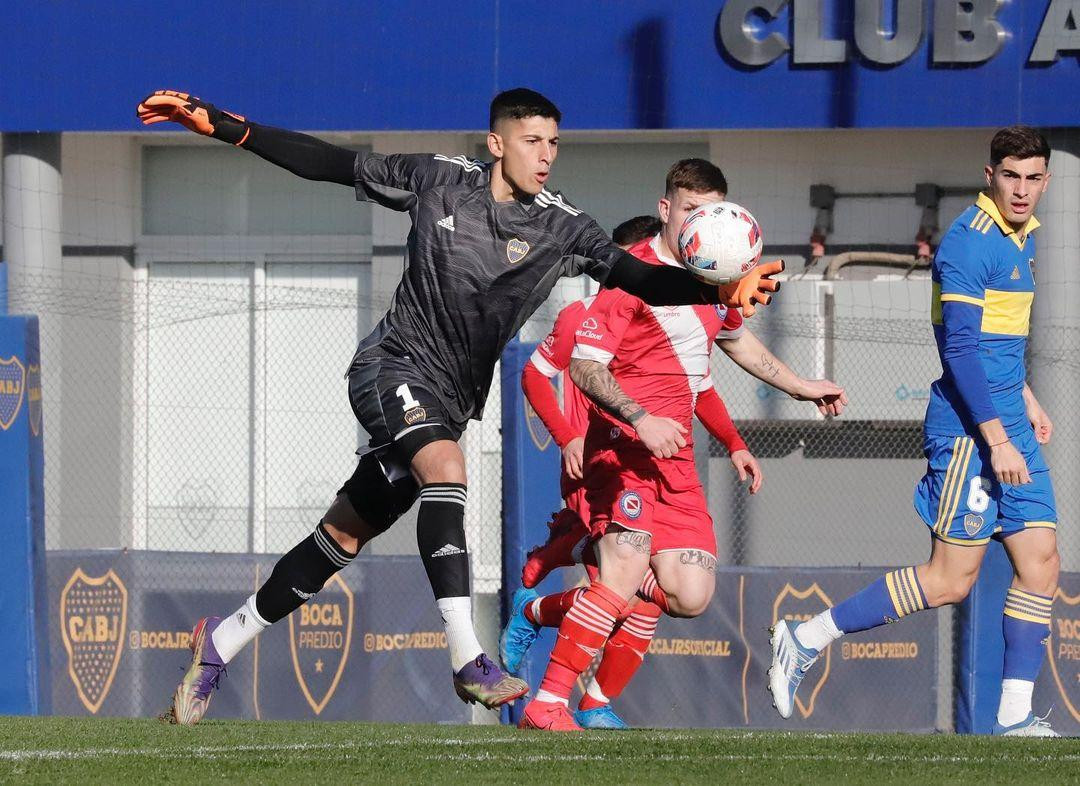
(720, 243)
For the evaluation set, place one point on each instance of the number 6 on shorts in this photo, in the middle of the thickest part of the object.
(978, 500)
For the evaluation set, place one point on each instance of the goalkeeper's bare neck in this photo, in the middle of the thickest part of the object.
(523, 139)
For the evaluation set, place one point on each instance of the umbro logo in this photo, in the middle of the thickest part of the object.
(447, 223)
(448, 550)
(1016, 273)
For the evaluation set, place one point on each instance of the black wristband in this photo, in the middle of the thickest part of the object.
(232, 131)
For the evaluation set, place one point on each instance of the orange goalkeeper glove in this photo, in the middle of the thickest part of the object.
(194, 114)
(755, 287)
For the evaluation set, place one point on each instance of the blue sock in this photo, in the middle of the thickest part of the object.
(891, 597)
(1026, 626)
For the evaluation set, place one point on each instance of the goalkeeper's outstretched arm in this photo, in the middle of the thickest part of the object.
(301, 154)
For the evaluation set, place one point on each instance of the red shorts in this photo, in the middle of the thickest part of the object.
(661, 497)
(573, 494)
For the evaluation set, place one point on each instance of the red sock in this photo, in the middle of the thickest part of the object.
(652, 591)
(582, 633)
(624, 653)
(551, 609)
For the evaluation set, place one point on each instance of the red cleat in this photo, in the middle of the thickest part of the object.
(565, 531)
(548, 716)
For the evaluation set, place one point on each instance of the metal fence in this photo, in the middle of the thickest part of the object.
(194, 404)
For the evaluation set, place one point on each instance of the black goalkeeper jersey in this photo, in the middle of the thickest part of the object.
(477, 268)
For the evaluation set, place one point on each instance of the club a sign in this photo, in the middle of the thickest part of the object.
(962, 32)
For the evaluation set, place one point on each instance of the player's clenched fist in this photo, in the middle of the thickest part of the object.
(194, 114)
(1008, 464)
(663, 436)
(755, 287)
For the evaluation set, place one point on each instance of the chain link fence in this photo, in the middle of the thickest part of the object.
(197, 425)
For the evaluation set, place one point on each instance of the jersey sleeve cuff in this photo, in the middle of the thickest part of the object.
(543, 365)
(586, 352)
(957, 298)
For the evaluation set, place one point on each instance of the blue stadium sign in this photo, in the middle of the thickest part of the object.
(627, 65)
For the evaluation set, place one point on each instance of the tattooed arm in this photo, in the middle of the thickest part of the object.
(756, 359)
(663, 436)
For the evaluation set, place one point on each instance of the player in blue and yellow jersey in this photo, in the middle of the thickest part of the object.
(985, 476)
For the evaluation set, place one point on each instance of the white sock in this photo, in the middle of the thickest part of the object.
(237, 630)
(543, 695)
(594, 692)
(460, 636)
(1015, 701)
(819, 632)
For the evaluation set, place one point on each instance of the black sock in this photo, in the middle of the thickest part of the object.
(300, 574)
(440, 536)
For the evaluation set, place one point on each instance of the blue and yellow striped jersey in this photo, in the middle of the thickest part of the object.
(984, 262)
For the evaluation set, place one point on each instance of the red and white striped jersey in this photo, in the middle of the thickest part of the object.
(552, 359)
(659, 355)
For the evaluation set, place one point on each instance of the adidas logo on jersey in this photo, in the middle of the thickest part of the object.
(448, 550)
(447, 223)
(1016, 273)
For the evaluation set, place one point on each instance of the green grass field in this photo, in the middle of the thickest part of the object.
(94, 750)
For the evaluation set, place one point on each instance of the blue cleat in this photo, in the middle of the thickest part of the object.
(1031, 726)
(600, 718)
(519, 633)
(790, 662)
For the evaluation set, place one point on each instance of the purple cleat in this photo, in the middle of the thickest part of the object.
(482, 681)
(192, 696)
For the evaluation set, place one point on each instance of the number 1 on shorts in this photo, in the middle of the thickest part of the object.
(406, 396)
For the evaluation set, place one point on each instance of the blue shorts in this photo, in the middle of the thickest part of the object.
(962, 502)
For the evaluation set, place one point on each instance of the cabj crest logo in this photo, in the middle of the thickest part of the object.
(516, 250)
(320, 635)
(33, 397)
(537, 430)
(1063, 649)
(793, 604)
(197, 502)
(12, 384)
(93, 618)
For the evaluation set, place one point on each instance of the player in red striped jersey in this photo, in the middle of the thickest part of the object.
(644, 370)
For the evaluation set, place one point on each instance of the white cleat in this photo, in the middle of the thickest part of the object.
(790, 662)
(1031, 726)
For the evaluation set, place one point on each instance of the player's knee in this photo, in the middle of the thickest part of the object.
(439, 463)
(346, 527)
(1041, 575)
(689, 601)
(949, 589)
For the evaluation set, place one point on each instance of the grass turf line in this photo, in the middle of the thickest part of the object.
(93, 750)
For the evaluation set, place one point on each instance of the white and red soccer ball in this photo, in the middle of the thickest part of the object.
(720, 242)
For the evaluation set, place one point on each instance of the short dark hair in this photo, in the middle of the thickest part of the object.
(519, 103)
(635, 229)
(697, 175)
(1019, 142)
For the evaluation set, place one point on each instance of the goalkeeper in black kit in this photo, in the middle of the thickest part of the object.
(487, 244)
